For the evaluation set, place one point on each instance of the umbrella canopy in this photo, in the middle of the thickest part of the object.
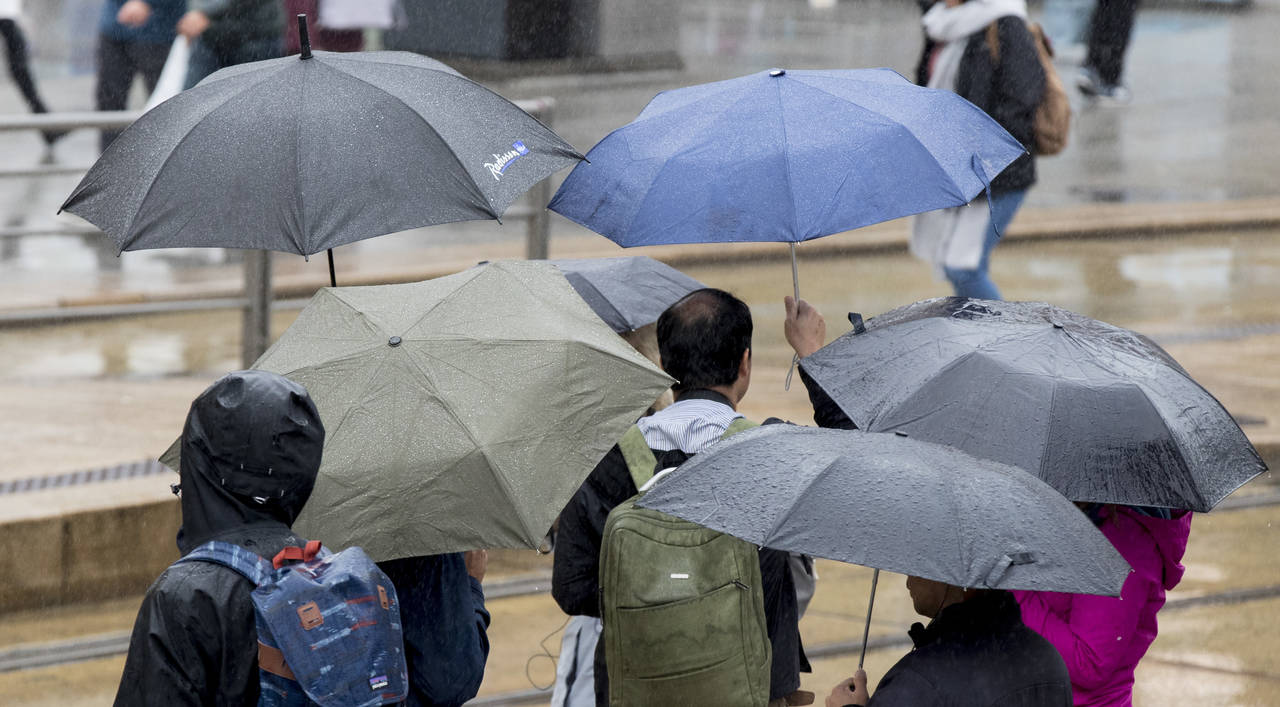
(302, 155)
(892, 503)
(462, 412)
(627, 292)
(784, 156)
(1098, 412)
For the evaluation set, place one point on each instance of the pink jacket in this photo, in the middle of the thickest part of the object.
(1103, 638)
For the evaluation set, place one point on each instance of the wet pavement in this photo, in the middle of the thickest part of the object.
(1201, 128)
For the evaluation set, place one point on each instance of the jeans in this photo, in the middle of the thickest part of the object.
(206, 59)
(976, 283)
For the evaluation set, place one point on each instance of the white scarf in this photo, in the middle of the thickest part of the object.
(953, 238)
(950, 26)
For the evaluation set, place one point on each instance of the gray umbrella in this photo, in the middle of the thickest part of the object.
(627, 292)
(461, 412)
(304, 154)
(893, 503)
(1098, 412)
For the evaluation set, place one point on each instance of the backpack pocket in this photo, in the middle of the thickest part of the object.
(670, 640)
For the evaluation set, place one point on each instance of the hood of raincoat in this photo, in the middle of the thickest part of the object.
(1170, 536)
(251, 448)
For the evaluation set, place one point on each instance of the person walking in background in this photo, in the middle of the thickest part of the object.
(982, 50)
(228, 32)
(134, 37)
(19, 68)
(1110, 27)
(1103, 638)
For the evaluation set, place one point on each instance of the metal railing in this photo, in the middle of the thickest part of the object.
(256, 302)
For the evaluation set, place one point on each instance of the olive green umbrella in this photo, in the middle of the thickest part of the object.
(461, 412)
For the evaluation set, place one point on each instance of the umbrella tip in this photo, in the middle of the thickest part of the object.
(303, 38)
(900, 433)
(777, 72)
(856, 320)
(393, 341)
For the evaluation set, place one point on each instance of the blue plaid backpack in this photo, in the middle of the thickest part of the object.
(329, 628)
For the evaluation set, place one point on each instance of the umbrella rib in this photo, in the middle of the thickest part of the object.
(130, 237)
(502, 481)
(470, 181)
(786, 161)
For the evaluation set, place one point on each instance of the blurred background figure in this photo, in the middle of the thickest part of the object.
(1110, 28)
(19, 68)
(337, 25)
(322, 37)
(228, 32)
(983, 51)
(133, 39)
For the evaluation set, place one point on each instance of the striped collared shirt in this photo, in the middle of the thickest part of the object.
(689, 425)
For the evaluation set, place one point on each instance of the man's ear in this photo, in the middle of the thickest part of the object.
(744, 366)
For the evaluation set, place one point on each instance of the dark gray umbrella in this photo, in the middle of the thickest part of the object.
(627, 292)
(1098, 412)
(892, 503)
(305, 154)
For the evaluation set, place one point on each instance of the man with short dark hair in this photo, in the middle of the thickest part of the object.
(704, 341)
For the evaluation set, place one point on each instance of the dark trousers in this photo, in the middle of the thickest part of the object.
(16, 44)
(1109, 32)
(118, 63)
(207, 58)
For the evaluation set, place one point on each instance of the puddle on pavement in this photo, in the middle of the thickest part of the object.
(1161, 287)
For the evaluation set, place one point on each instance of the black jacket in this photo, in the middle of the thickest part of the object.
(1009, 91)
(250, 451)
(575, 582)
(977, 654)
(445, 622)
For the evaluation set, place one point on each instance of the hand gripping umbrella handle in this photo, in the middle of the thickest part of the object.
(866, 631)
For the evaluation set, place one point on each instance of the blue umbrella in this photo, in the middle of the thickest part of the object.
(784, 156)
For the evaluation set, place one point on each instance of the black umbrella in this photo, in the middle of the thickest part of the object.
(302, 154)
(1098, 412)
(627, 292)
(892, 503)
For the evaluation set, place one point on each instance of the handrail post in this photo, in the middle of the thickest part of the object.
(538, 236)
(257, 309)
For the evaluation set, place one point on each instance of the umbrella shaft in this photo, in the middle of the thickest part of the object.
(795, 274)
(333, 279)
(866, 631)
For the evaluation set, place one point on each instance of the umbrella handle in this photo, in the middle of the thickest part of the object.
(795, 288)
(866, 631)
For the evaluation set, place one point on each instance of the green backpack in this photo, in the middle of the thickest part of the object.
(683, 605)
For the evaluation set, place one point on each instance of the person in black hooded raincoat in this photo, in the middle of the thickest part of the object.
(251, 448)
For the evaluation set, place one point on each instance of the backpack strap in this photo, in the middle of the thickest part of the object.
(247, 563)
(739, 424)
(293, 553)
(640, 460)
